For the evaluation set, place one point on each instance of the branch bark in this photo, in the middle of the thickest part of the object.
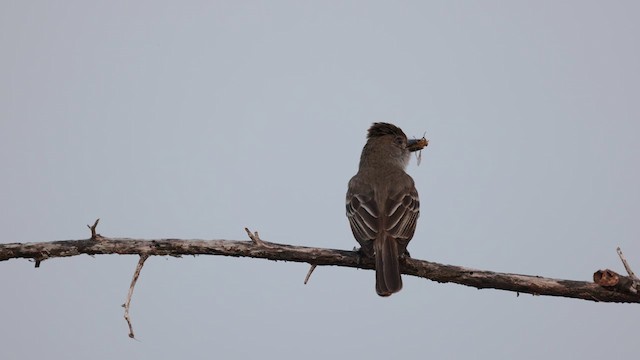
(481, 279)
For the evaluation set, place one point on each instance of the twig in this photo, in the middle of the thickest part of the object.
(127, 303)
(313, 267)
(94, 236)
(255, 238)
(626, 265)
(44, 255)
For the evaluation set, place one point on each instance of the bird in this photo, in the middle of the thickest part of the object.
(382, 202)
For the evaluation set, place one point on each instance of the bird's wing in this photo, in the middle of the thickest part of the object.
(362, 211)
(402, 210)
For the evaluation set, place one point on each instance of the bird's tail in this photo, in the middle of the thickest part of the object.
(388, 280)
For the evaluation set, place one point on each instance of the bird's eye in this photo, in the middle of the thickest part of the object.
(399, 140)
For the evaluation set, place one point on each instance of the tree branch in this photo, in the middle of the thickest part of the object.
(127, 303)
(480, 279)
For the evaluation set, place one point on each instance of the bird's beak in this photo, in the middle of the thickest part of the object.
(417, 144)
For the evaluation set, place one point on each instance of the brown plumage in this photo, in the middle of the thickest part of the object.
(382, 203)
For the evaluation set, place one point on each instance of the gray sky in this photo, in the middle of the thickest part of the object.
(195, 119)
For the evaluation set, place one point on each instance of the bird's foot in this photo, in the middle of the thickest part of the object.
(362, 253)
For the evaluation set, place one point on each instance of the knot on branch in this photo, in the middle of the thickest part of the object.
(613, 281)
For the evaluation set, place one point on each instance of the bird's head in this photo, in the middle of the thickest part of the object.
(387, 142)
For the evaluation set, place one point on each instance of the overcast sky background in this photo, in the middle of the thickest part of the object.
(195, 119)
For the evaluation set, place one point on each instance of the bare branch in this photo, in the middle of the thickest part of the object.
(94, 235)
(626, 265)
(256, 238)
(480, 279)
(306, 278)
(127, 303)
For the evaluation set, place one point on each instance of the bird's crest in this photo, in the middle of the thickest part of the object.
(381, 129)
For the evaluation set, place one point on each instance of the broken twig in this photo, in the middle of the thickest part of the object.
(127, 303)
(255, 238)
(306, 279)
(94, 235)
(626, 265)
